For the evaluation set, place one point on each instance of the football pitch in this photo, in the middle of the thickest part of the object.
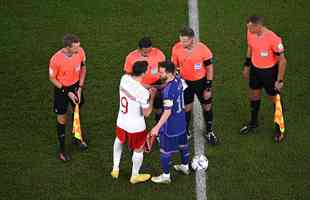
(249, 167)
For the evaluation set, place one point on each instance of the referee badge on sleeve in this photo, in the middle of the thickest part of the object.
(280, 47)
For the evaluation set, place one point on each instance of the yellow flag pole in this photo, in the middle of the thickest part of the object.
(76, 128)
(278, 114)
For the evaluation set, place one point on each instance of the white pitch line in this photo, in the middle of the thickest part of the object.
(198, 125)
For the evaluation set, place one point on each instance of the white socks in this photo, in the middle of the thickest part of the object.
(137, 159)
(117, 153)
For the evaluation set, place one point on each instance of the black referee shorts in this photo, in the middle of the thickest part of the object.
(196, 87)
(264, 78)
(61, 100)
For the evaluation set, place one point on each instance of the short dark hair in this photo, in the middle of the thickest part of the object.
(187, 31)
(69, 39)
(168, 66)
(139, 67)
(256, 19)
(145, 42)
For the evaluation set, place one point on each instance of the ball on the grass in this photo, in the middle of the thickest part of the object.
(199, 162)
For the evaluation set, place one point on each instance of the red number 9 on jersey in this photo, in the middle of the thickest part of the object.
(124, 104)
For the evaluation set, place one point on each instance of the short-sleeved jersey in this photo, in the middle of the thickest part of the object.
(66, 69)
(133, 97)
(172, 96)
(153, 59)
(190, 62)
(264, 49)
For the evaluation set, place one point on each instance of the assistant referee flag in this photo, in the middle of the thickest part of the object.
(278, 114)
(76, 128)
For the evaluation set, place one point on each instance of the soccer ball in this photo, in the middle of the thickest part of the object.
(200, 162)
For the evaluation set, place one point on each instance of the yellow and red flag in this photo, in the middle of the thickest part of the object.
(76, 128)
(278, 114)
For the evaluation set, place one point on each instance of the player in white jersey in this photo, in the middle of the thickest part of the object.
(136, 102)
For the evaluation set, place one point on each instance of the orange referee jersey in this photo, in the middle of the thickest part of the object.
(66, 69)
(190, 63)
(264, 49)
(155, 56)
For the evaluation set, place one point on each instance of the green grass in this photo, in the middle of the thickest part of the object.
(254, 167)
(249, 167)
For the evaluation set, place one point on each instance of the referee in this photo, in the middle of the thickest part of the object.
(153, 56)
(264, 67)
(67, 72)
(194, 61)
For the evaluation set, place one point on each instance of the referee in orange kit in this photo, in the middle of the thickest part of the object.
(67, 72)
(194, 60)
(153, 56)
(264, 67)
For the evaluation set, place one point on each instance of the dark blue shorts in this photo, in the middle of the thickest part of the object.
(173, 144)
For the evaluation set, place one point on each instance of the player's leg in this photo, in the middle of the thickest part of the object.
(136, 142)
(184, 152)
(167, 146)
(137, 160)
(255, 84)
(120, 139)
(206, 103)
(60, 108)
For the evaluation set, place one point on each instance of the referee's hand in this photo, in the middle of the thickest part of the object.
(78, 93)
(245, 73)
(73, 97)
(278, 85)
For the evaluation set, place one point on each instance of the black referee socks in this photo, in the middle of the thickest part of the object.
(61, 136)
(255, 105)
(208, 116)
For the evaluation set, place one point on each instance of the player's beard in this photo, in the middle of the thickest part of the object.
(163, 79)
